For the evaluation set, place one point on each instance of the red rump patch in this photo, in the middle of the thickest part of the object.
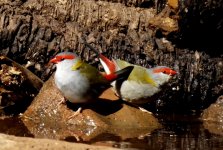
(110, 77)
(110, 64)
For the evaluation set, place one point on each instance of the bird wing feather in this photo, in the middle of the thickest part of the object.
(139, 74)
(90, 72)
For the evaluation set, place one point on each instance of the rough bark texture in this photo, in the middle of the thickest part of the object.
(32, 31)
(18, 86)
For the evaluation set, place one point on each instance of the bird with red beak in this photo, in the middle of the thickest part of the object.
(141, 84)
(80, 82)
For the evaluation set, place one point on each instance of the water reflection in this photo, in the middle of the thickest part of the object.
(183, 132)
(200, 139)
(178, 132)
(13, 126)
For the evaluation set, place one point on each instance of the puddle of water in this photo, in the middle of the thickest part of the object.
(14, 126)
(178, 133)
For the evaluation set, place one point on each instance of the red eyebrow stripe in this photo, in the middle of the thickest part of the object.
(159, 70)
(167, 70)
(65, 57)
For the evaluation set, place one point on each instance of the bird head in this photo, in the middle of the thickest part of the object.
(162, 74)
(65, 60)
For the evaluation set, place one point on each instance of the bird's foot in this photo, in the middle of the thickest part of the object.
(76, 137)
(62, 101)
(70, 133)
(116, 94)
(76, 113)
(144, 110)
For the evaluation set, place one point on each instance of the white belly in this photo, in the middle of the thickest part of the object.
(135, 92)
(73, 86)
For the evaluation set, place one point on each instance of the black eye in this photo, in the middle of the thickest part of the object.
(164, 72)
(62, 59)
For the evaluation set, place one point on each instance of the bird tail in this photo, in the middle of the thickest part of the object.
(122, 74)
(108, 65)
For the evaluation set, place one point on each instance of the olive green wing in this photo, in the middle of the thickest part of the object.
(122, 64)
(90, 72)
(139, 74)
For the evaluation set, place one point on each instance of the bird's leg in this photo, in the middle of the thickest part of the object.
(62, 101)
(76, 137)
(77, 112)
(144, 110)
(140, 108)
(71, 133)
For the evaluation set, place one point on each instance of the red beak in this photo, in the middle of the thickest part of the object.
(172, 72)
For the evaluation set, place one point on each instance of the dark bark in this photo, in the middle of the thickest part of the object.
(200, 26)
(35, 30)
